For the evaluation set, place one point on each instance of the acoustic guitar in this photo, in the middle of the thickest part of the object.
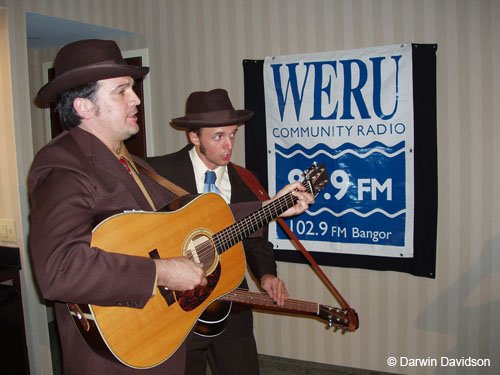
(335, 317)
(200, 228)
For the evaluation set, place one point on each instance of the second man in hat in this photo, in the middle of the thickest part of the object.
(212, 124)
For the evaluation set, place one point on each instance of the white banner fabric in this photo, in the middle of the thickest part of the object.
(352, 111)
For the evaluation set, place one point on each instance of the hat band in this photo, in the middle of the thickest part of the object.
(94, 65)
(113, 61)
(223, 114)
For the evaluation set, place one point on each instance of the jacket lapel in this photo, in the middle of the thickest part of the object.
(105, 162)
(183, 168)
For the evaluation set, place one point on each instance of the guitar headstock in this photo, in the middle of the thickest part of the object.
(316, 178)
(347, 319)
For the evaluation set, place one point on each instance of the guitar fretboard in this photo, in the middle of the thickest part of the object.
(264, 301)
(333, 315)
(237, 232)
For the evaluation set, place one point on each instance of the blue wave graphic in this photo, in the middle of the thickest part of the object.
(346, 147)
(353, 211)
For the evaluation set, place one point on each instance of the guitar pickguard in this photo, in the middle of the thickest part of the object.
(191, 299)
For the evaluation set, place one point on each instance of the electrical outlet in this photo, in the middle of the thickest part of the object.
(7, 230)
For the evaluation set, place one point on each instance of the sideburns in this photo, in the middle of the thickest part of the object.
(97, 109)
(93, 98)
(203, 150)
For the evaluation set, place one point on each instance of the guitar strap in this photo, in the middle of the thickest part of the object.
(261, 193)
(169, 185)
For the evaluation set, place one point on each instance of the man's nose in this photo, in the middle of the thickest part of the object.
(135, 99)
(229, 145)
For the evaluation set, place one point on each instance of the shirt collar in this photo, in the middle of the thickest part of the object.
(200, 168)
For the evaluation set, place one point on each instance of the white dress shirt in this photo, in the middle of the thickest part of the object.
(200, 168)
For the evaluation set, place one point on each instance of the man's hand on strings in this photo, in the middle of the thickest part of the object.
(180, 273)
(304, 199)
(275, 288)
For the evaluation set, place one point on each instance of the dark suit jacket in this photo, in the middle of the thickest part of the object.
(177, 167)
(74, 180)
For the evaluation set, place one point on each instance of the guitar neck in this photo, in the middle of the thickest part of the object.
(238, 231)
(263, 301)
(334, 316)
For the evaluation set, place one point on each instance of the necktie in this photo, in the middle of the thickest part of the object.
(137, 180)
(209, 185)
(125, 164)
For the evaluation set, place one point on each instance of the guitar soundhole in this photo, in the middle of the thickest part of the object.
(191, 299)
(201, 250)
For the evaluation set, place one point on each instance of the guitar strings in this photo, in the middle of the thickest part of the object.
(262, 299)
(236, 232)
(242, 295)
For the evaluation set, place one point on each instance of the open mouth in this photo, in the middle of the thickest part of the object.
(132, 116)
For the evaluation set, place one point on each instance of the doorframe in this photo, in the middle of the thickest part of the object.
(143, 53)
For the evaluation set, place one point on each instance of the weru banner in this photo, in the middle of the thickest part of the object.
(352, 111)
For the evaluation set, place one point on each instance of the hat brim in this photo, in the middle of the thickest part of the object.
(237, 117)
(76, 77)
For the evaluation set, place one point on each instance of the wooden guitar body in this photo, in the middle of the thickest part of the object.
(143, 338)
(200, 228)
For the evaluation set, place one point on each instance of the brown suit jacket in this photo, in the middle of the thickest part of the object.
(75, 180)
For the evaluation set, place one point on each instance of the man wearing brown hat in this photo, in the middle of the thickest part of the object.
(83, 176)
(212, 124)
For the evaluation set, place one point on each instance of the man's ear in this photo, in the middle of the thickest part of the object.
(84, 107)
(193, 137)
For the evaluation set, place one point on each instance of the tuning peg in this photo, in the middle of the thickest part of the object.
(311, 168)
(330, 323)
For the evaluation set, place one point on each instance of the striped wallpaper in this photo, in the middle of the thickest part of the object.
(200, 45)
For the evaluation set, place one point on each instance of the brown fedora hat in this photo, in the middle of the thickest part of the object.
(210, 109)
(86, 61)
